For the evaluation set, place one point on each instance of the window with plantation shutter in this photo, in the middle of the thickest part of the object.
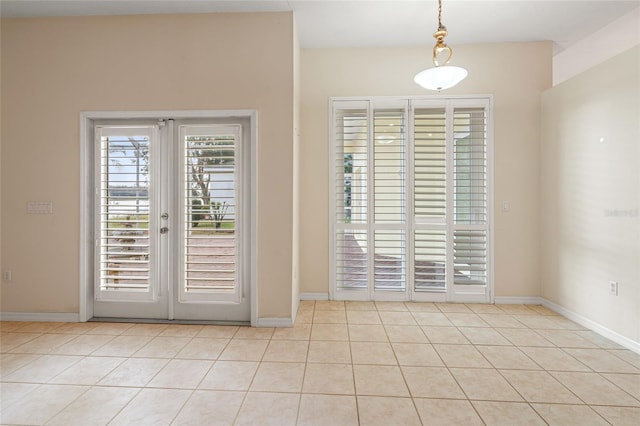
(410, 201)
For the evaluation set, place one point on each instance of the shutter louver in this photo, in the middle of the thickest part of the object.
(470, 166)
(430, 259)
(430, 166)
(470, 257)
(351, 259)
(389, 166)
(124, 213)
(389, 263)
(351, 166)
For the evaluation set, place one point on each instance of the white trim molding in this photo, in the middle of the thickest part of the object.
(273, 322)
(513, 300)
(611, 40)
(314, 296)
(577, 318)
(594, 326)
(294, 312)
(40, 316)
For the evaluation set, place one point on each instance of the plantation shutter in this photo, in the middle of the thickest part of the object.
(389, 169)
(430, 199)
(126, 205)
(351, 183)
(409, 211)
(210, 200)
(470, 196)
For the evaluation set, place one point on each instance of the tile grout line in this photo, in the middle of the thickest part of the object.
(404, 377)
(304, 371)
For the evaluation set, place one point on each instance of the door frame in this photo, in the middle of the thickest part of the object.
(87, 120)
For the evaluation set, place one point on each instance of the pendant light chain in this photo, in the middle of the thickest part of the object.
(439, 35)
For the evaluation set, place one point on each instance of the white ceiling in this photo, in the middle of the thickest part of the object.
(363, 23)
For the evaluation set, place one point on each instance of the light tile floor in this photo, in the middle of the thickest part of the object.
(342, 364)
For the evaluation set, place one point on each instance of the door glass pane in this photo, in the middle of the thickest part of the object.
(124, 211)
(210, 207)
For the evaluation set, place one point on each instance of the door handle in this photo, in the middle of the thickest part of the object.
(164, 230)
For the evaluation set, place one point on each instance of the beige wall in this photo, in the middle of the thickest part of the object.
(295, 273)
(591, 190)
(53, 68)
(514, 73)
(1, 264)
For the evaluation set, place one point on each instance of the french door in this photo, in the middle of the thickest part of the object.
(171, 226)
(410, 202)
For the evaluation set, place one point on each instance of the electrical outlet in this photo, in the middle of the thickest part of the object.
(613, 288)
(6, 276)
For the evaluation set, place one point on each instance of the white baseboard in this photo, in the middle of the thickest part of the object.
(274, 322)
(314, 296)
(511, 300)
(40, 316)
(498, 299)
(74, 317)
(592, 325)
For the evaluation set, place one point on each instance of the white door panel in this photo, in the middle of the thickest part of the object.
(212, 244)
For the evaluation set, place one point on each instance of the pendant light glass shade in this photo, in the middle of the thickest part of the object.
(440, 78)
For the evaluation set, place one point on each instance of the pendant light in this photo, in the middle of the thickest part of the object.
(441, 76)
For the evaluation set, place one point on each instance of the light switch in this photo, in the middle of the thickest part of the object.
(40, 207)
(505, 206)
